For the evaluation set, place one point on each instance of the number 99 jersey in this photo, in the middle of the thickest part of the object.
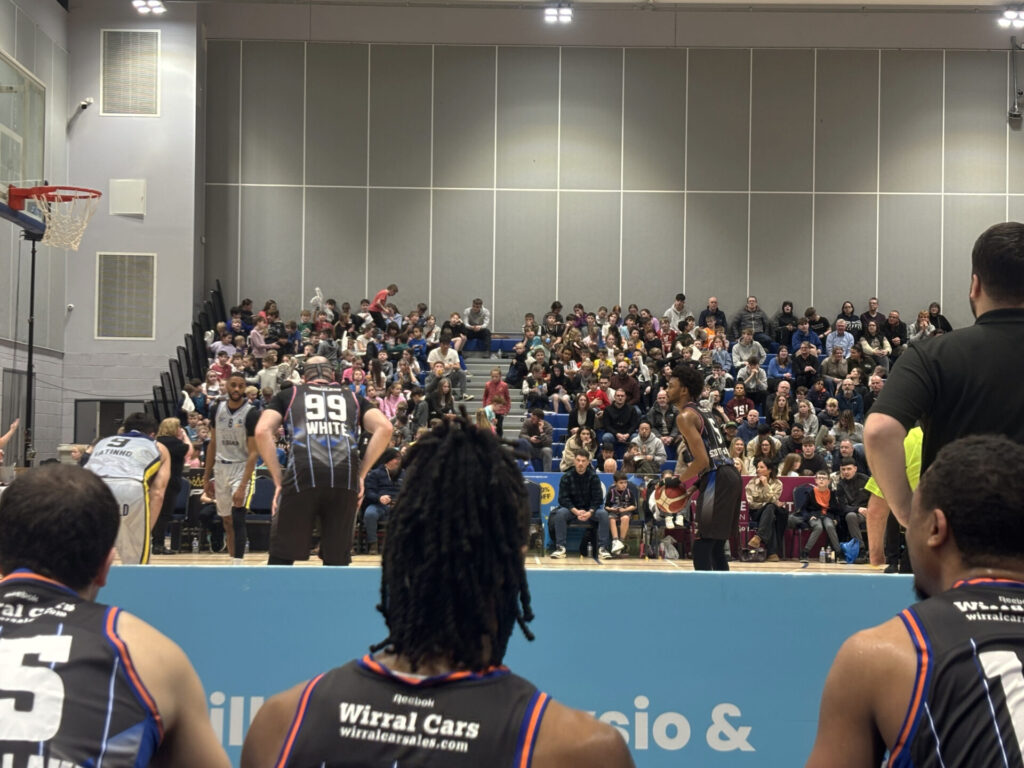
(69, 694)
(322, 422)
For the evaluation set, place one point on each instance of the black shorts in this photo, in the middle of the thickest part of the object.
(291, 532)
(718, 506)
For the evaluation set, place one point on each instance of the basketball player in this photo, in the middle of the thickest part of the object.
(719, 484)
(325, 475)
(941, 684)
(136, 468)
(453, 588)
(84, 684)
(231, 461)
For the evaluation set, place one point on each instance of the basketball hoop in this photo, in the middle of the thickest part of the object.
(65, 211)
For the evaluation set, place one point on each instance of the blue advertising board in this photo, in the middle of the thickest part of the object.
(714, 669)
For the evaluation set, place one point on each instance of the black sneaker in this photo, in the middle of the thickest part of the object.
(805, 556)
(891, 568)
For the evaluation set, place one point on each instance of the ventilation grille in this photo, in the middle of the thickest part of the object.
(125, 292)
(131, 67)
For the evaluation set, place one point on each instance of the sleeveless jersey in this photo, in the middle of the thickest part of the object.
(233, 430)
(130, 456)
(69, 694)
(365, 714)
(322, 422)
(714, 442)
(967, 706)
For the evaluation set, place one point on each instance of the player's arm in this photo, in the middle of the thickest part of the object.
(689, 428)
(883, 445)
(569, 738)
(266, 432)
(158, 486)
(6, 436)
(211, 457)
(269, 729)
(168, 675)
(251, 419)
(377, 424)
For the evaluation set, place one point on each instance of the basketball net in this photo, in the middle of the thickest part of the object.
(65, 211)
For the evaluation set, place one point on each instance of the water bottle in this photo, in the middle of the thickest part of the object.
(590, 549)
(247, 546)
(195, 545)
(823, 555)
(167, 543)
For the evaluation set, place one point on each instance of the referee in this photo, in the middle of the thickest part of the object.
(324, 476)
(956, 384)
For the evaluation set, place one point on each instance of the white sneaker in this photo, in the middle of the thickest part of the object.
(604, 554)
(680, 521)
(236, 561)
(617, 546)
(467, 396)
(559, 553)
(670, 522)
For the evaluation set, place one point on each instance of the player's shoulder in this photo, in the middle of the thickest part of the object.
(876, 653)
(570, 738)
(269, 729)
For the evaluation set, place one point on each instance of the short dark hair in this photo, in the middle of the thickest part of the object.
(848, 462)
(691, 380)
(998, 261)
(680, 297)
(977, 483)
(140, 422)
(620, 476)
(59, 521)
(538, 412)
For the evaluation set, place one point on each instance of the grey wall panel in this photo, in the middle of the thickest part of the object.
(782, 126)
(272, 113)
(524, 273)
(399, 243)
(716, 250)
(271, 247)
(844, 251)
(847, 121)
(976, 100)
(911, 121)
(528, 117)
(221, 249)
(591, 118)
(8, 20)
(7, 262)
(1015, 161)
(1015, 209)
(400, 115)
(58, 313)
(464, 116)
(780, 250)
(25, 45)
(223, 65)
(908, 256)
(652, 245)
(655, 119)
(965, 219)
(335, 243)
(463, 247)
(719, 119)
(336, 113)
(588, 248)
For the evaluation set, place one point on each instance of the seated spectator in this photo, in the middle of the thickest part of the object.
(719, 379)
(872, 315)
(390, 402)
(650, 451)
(619, 421)
(535, 439)
(848, 450)
(582, 415)
(923, 328)
(820, 511)
(621, 503)
(763, 493)
(478, 325)
(711, 313)
(834, 368)
(780, 411)
(736, 409)
(846, 428)
(747, 429)
(853, 499)
(937, 319)
(754, 380)
(446, 355)
(561, 388)
(896, 332)
(754, 318)
(840, 338)
(794, 442)
(806, 417)
(817, 323)
(662, 418)
(580, 497)
(738, 453)
(803, 334)
(746, 348)
(535, 388)
(455, 330)
(811, 462)
(766, 451)
(818, 395)
(805, 365)
(848, 400)
(784, 324)
(875, 345)
(828, 417)
(875, 384)
(583, 441)
(720, 352)
(780, 367)
(857, 362)
(854, 325)
(790, 466)
(440, 402)
(764, 430)
(381, 489)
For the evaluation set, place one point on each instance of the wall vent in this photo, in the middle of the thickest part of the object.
(125, 295)
(131, 72)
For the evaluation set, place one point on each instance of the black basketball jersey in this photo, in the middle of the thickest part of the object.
(69, 694)
(967, 706)
(322, 422)
(363, 714)
(714, 441)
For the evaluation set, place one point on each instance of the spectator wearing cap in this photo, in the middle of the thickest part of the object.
(382, 486)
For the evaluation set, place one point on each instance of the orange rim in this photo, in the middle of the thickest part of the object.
(16, 196)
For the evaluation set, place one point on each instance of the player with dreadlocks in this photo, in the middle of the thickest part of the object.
(453, 589)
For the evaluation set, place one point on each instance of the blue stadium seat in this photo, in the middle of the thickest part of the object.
(557, 420)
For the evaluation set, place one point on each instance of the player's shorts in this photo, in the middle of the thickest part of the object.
(718, 506)
(132, 541)
(226, 479)
(291, 531)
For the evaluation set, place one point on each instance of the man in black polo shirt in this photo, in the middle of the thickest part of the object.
(950, 382)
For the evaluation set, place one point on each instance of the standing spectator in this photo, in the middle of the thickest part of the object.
(378, 306)
(258, 344)
(580, 500)
(677, 312)
(383, 484)
(172, 437)
(494, 390)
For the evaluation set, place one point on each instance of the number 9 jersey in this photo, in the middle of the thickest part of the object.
(322, 422)
(69, 694)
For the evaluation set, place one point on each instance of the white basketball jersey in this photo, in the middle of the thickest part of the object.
(231, 435)
(127, 456)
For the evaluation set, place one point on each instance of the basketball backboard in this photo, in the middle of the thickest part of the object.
(22, 132)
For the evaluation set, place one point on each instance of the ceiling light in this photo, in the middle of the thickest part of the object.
(1017, 23)
(143, 9)
(565, 14)
(551, 15)
(1009, 13)
(1004, 23)
(160, 9)
(558, 14)
(138, 3)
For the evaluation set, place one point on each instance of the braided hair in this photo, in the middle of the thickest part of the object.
(453, 568)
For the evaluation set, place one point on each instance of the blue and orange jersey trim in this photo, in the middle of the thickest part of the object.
(983, 580)
(293, 729)
(371, 664)
(23, 574)
(529, 729)
(138, 687)
(922, 681)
